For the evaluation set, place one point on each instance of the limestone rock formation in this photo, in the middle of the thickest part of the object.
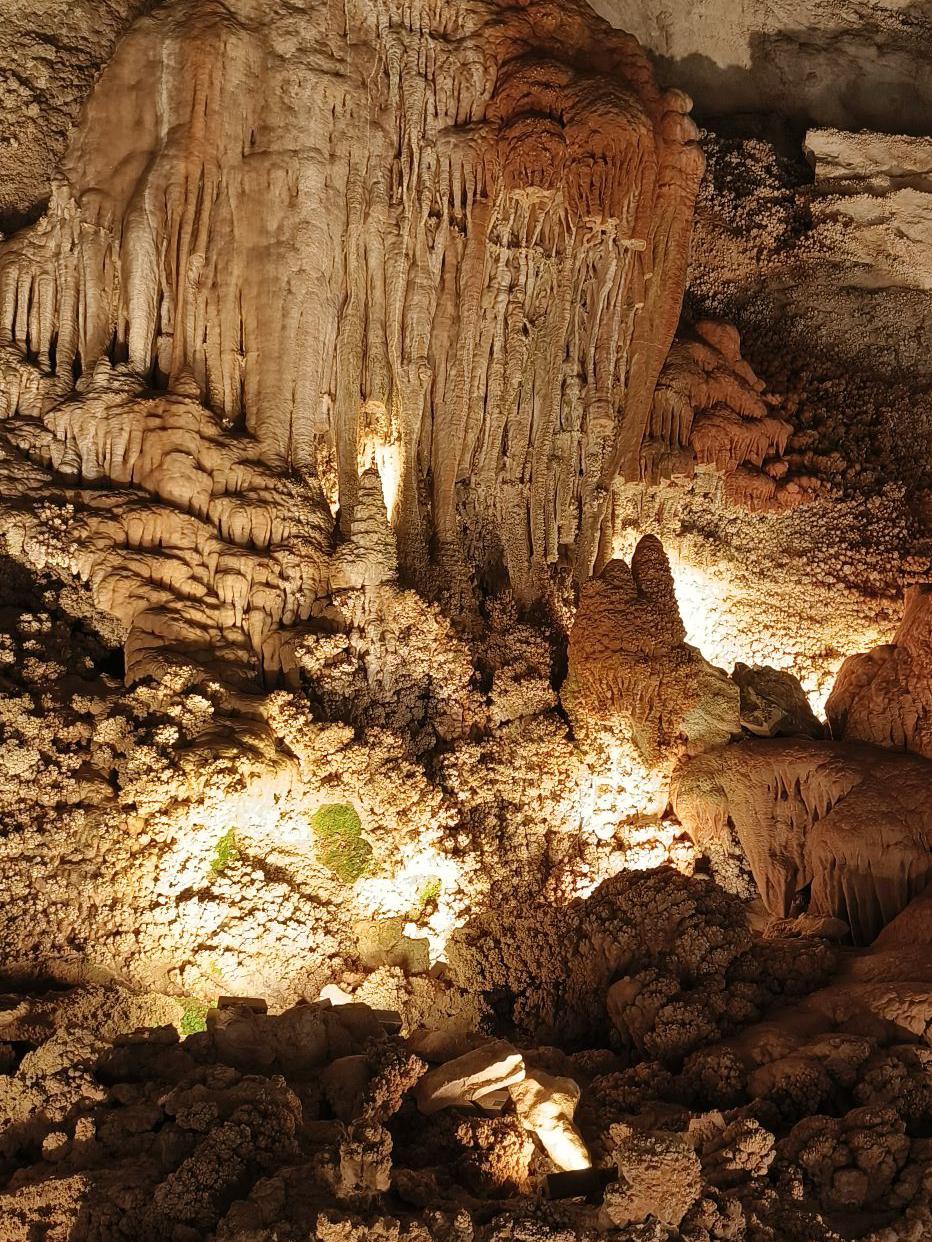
(873, 198)
(657, 963)
(846, 828)
(546, 1105)
(369, 557)
(382, 656)
(305, 1123)
(486, 1070)
(631, 670)
(710, 410)
(659, 1176)
(184, 537)
(382, 483)
(885, 696)
(379, 260)
(834, 62)
(493, 1074)
(773, 704)
(50, 54)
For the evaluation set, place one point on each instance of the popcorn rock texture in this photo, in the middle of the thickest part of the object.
(111, 1127)
(667, 961)
(441, 491)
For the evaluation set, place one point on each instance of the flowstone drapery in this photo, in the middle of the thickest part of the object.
(449, 240)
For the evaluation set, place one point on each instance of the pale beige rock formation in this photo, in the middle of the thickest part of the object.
(332, 363)
(460, 270)
(112, 1125)
(849, 826)
(50, 53)
(382, 656)
(465, 1080)
(369, 557)
(659, 1176)
(885, 696)
(178, 529)
(797, 591)
(827, 62)
(872, 206)
(804, 589)
(545, 1105)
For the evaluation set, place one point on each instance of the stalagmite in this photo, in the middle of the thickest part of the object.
(631, 670)
(885, 696)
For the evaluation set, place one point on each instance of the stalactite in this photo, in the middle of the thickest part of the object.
(847, 823)
(485, 239)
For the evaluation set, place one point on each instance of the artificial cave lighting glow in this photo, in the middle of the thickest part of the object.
(726, 620)
(655, 843)
(711, 604)
(388, 460)
(379, 447)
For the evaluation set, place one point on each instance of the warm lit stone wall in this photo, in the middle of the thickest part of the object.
(449, 240)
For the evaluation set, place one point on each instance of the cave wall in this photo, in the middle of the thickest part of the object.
(51, 52)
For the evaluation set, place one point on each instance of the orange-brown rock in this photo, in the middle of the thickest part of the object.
(884, 696)
(711, 410)
(846, 829)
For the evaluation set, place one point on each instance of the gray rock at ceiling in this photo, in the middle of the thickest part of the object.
(842, 63)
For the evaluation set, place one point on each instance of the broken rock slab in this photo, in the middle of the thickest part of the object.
(301, 1038)
(774, 704)
(468, 1078)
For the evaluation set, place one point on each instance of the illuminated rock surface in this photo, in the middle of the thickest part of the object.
(441, 490)
(850, 825)
(349, 242)
(885, 695)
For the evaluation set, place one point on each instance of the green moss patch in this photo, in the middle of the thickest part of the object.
(225, 852)
(193, 1017)
(341, 847)
(427, 897)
